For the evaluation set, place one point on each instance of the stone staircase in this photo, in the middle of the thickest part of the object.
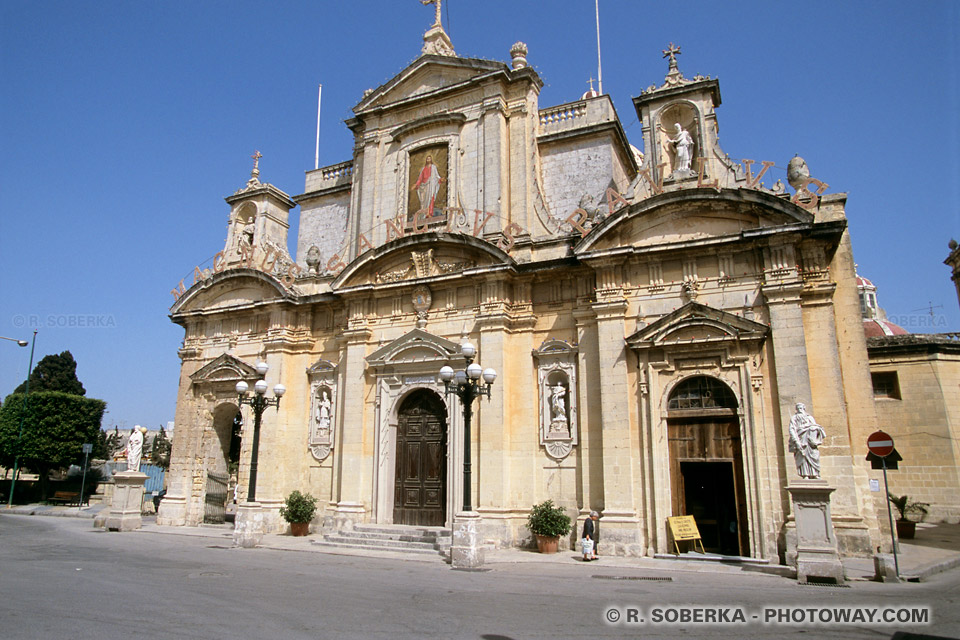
(397, 538)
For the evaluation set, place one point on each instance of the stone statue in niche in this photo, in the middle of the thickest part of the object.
(324, 415)
(683, 145)
(806, 436)
(559, 421)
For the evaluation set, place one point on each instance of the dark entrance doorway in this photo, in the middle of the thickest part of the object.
(420, 489)
(706, 463)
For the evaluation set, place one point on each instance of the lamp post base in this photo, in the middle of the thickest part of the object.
(248, 528)
(467, 551)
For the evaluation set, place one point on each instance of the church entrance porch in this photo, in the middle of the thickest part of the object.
(420, 487)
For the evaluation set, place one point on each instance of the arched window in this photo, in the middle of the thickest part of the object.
(702, 392)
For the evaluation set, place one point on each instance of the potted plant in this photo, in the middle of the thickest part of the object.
(548, 522)
(907, 528)
(298, 510)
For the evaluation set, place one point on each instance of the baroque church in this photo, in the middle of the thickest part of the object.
(653, 319)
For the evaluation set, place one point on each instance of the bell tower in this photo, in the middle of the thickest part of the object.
(680, 129)
(259, 222)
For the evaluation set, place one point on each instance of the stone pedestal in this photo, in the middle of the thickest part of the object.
(347, 515)
(816, 551)
(467, 550)
(885, 568)
(127, 501)
(248, 527)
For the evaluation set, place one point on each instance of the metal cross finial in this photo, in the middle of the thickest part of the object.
(436, 19)
(591, 81)
(672, 52)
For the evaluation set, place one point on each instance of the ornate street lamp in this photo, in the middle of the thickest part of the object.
(23, 414)
(467, 386)
(258, 402)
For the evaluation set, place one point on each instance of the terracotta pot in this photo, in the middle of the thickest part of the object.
(906, 529)
(548, 544)
(299, 528)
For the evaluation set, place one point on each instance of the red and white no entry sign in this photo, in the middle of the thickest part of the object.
(880, 444)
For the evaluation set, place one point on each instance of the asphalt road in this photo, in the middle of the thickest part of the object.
(60, 578)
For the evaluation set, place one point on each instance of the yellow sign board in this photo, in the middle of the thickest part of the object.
(684, 528)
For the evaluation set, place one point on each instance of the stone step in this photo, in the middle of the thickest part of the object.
(356, 544)
(396, 535)
(434, 532)
(381, 542)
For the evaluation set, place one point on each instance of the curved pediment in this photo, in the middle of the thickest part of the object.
(692, 215)
(425, 255)
(695, 323)
(230, 289)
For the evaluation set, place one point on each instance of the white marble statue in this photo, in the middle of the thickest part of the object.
(135, 449)
(324, 407)
(558, 407)
(805, 439)
(683, 143)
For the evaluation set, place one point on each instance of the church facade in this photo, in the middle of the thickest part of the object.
(654, 319)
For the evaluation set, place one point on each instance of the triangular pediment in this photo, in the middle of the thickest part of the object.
(224, 368)
(416, 347)
(428, 74)
(696, 323)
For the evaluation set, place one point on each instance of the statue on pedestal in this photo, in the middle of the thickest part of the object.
(805, 439)
(135, 448)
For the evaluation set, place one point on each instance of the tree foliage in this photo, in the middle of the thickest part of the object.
(55, 426)
(55, 373)
(160, 452)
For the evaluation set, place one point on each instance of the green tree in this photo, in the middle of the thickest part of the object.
(55, 373)
(55, 426)
(160, 454)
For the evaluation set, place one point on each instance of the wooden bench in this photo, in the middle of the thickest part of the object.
(66, 497)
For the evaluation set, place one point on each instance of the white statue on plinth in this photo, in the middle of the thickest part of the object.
(135, 448)
(805, 439)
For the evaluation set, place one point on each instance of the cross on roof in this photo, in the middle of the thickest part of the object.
(591, 81)
(436, 19)
(672, 52)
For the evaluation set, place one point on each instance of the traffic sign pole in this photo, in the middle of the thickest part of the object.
(893, 536)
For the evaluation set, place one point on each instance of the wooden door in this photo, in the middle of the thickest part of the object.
(420, 494)
(693, 443)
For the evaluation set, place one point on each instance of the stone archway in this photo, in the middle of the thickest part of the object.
(706, 463)
(420, 476)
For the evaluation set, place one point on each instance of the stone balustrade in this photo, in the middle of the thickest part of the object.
(332, 176)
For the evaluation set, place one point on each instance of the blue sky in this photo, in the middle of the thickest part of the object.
(123, 125)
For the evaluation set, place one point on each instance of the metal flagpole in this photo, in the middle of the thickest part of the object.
(316, 155)
(596, 5)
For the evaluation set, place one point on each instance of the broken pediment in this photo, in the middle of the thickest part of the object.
(695, 323)
(416, 347)
(687, 216)
(224, 368)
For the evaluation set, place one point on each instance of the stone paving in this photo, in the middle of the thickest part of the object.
(936, 548)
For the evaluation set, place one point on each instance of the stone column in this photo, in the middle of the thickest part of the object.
(467, 551)
(355, 466)
(621, 525)
(249, 525)
(127, 501)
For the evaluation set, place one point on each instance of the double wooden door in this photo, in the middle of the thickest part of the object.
(706, 477)
(420, 488)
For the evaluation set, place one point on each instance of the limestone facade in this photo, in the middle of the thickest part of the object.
(653, 317)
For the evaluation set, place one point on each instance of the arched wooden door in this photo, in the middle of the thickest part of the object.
(420, 488)
(706, 463)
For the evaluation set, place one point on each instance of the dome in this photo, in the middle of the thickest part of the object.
(877, 328)
(590, 93)
(864, 282)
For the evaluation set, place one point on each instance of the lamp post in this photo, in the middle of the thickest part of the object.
(23, 415)
(258, 402)
(467, 386)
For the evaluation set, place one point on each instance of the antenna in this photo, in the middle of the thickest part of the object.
(929, 309)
